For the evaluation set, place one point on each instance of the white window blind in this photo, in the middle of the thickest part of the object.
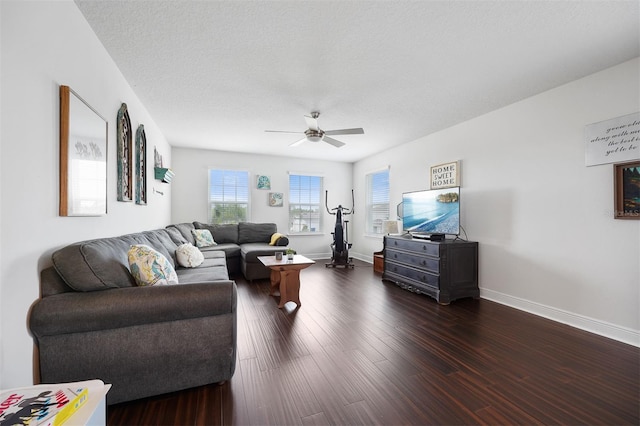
(228, 196)
(305, 193)
(377, 201)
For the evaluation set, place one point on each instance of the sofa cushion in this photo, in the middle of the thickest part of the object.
(161, 241)
(227, 233)
(176, 236)
(255, 232)
(230, 250)
(212, 269)
(185, 230)
(150, 267)
(96, 264)
(189, 256)
(251, 251)
(203, 238)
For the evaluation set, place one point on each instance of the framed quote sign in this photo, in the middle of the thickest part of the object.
(612, 141)
(445, 175)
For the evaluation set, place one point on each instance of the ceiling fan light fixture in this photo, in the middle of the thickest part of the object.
(314, 136)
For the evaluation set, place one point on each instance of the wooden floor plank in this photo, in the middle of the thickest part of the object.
(363, 351)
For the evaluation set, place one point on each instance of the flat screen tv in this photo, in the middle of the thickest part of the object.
(431, 212)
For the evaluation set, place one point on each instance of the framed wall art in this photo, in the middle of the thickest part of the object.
(276, 199)
(124, 155)
(263, 182)
(626, 178)
(83, 157)
(141, 166)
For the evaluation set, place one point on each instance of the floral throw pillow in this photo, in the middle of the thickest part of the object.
(189, 256)
(150, 267)
(203, 237)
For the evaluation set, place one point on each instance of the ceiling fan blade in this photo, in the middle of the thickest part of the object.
(312, 122)
(280, 131)
(332, 141)
(358, 131)
(296, 143)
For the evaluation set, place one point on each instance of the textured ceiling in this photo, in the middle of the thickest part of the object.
(217, 74)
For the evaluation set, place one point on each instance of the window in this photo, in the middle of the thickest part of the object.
(228, 196)
(304, 203)
(377, 201)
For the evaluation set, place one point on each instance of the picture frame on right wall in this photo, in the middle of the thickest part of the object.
(626, 178)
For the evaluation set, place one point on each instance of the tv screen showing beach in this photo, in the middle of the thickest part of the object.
(432, 212)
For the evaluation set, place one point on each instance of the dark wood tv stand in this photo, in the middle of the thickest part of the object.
(445, 270)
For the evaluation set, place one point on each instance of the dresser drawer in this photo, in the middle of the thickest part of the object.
(411, 273)
(429, 263)
(413, 286)
(415, 246)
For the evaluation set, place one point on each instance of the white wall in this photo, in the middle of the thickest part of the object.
(190, 190)
(544, 221)
(46, 44)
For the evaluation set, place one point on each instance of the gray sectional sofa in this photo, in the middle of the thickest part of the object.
(93, 321)
(241, 243)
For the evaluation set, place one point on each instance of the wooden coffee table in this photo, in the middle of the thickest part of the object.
(286, 274)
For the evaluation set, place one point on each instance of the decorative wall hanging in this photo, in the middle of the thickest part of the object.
(264, 182)
(445, 175)
(125, 168)
(612, 141)
(626, 177)
(83, 157)
(141, 166)
(276, 199)
(161, 173)
(157, 158)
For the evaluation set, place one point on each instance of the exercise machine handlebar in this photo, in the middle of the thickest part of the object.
(343, 210)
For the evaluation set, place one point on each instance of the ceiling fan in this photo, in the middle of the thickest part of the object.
(315, 134)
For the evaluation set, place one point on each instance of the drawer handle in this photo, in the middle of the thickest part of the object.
(395, 255)
(423, 279)
(423, 263)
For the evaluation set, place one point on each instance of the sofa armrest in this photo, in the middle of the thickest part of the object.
(77, 312)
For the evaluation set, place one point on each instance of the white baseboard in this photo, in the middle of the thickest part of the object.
(602, 328)
(364, 258)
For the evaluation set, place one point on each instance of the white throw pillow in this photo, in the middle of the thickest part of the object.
(189, 256)
(150, 267)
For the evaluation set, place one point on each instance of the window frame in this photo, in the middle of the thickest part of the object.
(210, 201)
(370, 194)
(293, 202)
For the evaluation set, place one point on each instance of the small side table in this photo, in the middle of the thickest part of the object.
(378, 262)
(285, 274)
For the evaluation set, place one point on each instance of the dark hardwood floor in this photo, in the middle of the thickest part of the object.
(361, 351)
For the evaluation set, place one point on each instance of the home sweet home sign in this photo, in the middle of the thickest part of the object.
(445, 175)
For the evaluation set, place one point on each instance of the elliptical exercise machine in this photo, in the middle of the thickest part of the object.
(341, 245)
